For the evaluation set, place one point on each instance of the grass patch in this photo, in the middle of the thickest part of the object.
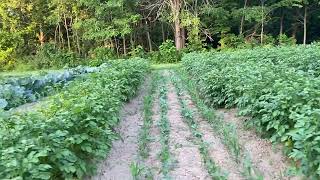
(165, 66)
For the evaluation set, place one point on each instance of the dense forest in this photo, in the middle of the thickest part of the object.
(42, 31)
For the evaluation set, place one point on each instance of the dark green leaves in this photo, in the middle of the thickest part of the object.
(277, 87)
(65, 140)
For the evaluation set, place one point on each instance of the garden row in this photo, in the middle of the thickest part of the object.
(277, 87)
(65, 140)
(303, 58)
(17, 91)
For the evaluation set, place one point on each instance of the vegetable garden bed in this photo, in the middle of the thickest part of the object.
(277, 87)
(65, 140)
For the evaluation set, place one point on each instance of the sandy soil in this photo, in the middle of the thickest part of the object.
(218, 151)
(153, 161)
(268, 159)
(189, 164)
(125, 150)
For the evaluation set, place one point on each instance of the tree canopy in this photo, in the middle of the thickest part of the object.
(119, 26)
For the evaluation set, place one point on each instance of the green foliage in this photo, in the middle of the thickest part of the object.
(144, 135)
(268, 40)
(168, 53)
(49, 56)
(277, 87)
(137, 51)
(8, 44)
(285, 40)
(164, 126)
(66, 139)
(231, 41)
(102, 53)
(192, 24)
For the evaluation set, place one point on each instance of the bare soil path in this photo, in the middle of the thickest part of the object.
(217, 149)
(125, 150)
(189, 164)
(268, 159)
(153, 161)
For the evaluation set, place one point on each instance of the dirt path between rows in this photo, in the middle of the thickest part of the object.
(218, 151)
(268, 159)
(189, 165)
(125, 150)
(153, 161)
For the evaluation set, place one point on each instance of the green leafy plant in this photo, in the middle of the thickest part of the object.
(276, 87)
(144, 135)
(168, 53)
(74, 132)
(164, 126)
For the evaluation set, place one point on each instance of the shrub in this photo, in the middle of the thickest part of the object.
(285, 40)
(231, 41)
(137, 51)
(168, 53)
(102, 53)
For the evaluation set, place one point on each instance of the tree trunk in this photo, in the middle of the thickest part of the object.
(243, 16)
(55, 37)
(148, 36)
(132, 43)
(177, 34)
(176, 10)
(262, 22)
(41, 37)
(124, 46)
(78, 42)
(183, 36)
(67, 31)
(117, 47)
(163, 33)
(305, 25)
(281, 24)
(294, 30)
(61, 38)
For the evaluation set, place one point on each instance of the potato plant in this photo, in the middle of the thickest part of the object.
(277, 87)
(69, 137)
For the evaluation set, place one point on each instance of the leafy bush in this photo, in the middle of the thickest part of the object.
(167, 53)
(65, 140)
(8, 44)
(283, 39)
(102, 53)
(231, 41)
(49, 56)
(137, 51)
(277, 87)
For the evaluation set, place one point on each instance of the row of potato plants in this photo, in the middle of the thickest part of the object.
(17, 91)
(281, 99)
(68, 138)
